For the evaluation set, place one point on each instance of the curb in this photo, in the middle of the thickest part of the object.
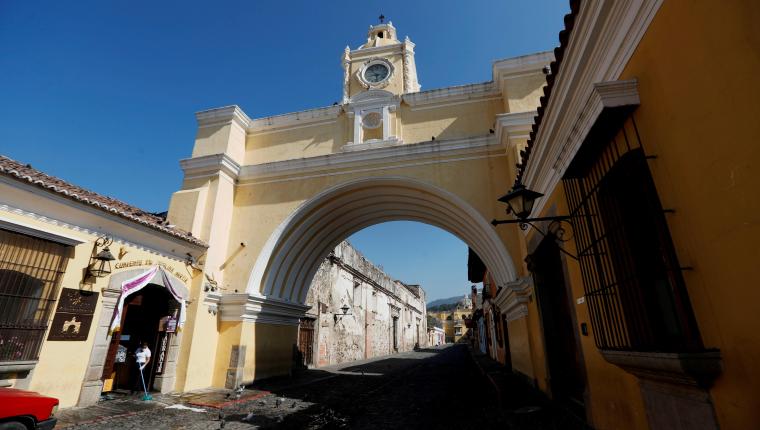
(491, 381)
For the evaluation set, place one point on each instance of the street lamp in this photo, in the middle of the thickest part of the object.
(343, 308)
(100, 262)
(520, 202)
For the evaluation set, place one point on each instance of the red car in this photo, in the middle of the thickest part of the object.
(26, 410)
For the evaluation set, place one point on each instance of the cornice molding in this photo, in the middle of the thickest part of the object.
(372, 99)
(514, 297)
(261, 309)
(362, 54)
(372, 144)
(221, 116)
(35, 231)
(511, 68)
(439, 150)
(514, 126)
(177, 252)
(550, 160)
(603, 40)
(210, 165)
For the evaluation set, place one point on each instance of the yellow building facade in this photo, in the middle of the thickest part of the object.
(57, 301)
(639, 311)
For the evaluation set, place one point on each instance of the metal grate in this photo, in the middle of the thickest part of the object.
(633, 284)
(30, 275)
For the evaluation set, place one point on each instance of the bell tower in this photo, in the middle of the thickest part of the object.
(382, 62)
(375, 75)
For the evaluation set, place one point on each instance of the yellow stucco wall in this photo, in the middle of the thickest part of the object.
(614, 400)
(699, 115)
(478, 182)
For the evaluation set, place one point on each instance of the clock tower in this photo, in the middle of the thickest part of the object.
(375, 75)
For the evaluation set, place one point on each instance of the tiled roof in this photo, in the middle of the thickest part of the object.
(559, 53)
(25, 173)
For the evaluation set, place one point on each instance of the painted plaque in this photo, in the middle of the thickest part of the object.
(73, 315)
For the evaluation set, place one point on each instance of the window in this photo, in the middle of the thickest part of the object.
(633, 283)
(30, 277)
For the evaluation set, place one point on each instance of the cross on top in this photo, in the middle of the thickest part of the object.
(382, 18)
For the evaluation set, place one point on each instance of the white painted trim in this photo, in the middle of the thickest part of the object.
(371, 62)
(602, 42)
(294, 251)
(257, 308)
(555, 158)
(518, 66)
(372, 144)
(210, 165)
(32, 230)
(513, 300)
(514, 126)
(82, 218)
(221, 116)
(362, 54)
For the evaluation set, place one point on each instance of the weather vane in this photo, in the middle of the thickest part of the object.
(382, 18)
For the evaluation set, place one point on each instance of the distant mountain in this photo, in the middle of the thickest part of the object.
(448, 301)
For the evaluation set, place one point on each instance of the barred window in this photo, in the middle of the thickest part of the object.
(30, 277)
(633, 283)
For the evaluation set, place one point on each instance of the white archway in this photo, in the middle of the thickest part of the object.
(294, 251)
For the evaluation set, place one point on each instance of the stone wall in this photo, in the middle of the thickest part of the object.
(372, 300)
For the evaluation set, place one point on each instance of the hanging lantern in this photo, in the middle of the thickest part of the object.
(520, 201)
(100, 262)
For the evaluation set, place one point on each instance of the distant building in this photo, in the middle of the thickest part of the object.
(436, 336)
(453, 321)
(358, 311)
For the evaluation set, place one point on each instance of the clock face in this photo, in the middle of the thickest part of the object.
(376, 73)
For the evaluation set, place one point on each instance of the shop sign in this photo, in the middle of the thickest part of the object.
(140, 263)
(167, 324)
(171, 325)
(73, 315)
(161, 356)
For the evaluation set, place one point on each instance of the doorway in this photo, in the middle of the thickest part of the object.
(566, 376)
(306, 341)
(146, 318)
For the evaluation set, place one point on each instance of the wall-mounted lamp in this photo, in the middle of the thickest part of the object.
(520, 202)
(345, 310)
(100, 261)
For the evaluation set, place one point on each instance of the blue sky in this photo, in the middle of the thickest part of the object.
(103, 94)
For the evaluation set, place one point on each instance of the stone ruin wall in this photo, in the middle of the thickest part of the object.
(340, 338)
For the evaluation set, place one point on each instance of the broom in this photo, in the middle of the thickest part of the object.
(145, 389)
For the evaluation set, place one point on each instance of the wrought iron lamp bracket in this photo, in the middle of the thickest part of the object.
(554, 228)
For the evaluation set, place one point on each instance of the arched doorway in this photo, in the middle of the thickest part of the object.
(144, 319)
(152, 313)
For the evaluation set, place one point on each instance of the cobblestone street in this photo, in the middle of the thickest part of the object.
(434, 388)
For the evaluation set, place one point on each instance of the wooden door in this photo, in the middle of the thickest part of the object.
(306, 340)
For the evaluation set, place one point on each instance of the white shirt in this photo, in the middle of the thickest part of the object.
(143, 355)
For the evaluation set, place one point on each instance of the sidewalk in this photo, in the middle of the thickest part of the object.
(524, 406)
(123, 405)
